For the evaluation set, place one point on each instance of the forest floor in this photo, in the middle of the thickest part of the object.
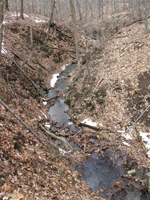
(29, 170)
(113, 94)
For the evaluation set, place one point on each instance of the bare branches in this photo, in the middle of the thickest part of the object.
(1, 25)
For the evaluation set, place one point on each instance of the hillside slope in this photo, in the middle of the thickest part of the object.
(29, 169)
(116, 91)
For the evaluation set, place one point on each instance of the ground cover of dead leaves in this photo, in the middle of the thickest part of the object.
(115, 73)
(29, 170)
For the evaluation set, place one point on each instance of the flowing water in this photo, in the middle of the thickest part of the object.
(99, 172)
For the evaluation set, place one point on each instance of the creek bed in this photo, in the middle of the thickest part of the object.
(100, 172)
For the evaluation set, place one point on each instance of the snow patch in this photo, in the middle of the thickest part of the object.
(47, 124)
(70, 123)
(4, 22)
(27, 16)
(146, 139)
(127, 136)
(125, 143)
(38, 20)
(45, 103)
(64, 67)
(4, 51)
(62, 151)
(90, 123)
(54, 79)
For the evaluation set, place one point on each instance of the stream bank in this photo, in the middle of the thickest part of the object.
(103, 172)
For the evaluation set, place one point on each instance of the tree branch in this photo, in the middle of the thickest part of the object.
(22, 122)
(65, 142)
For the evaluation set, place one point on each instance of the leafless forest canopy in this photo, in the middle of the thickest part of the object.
(93, 16)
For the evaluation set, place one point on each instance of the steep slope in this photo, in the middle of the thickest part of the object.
(116, 91)
(29, 169)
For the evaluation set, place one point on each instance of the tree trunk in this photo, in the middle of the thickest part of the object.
(139, 16)
(145, 14)
(16, 9)
(129, 11)
(32, 6)
(6, 5)
(21, 11)
(30, 21)
(1, 25)
(75, 28)
(99, 8)
(79, 10)
(51, 15)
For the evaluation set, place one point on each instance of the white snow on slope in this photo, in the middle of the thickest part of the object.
(90, 123)
(54, 79)
(64, 67)
(146, 140)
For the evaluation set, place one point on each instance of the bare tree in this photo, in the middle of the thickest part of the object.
(79, 10)
(51, 15)
(16, 9)
(21, 11)
(139, 16)
(6, 5)
(31, 32)
(145, 14)
(1, 24)
(73, 14)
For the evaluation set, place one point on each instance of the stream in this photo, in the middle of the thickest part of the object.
(101, 173)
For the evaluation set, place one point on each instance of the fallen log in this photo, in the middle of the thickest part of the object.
(22, 60)
(65, 142)
(89, 126)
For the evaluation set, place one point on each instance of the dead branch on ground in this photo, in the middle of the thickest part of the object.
(35, 86)
(65, 142)
(22, 122)
(22, 60)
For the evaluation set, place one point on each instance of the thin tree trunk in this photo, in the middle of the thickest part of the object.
(129, 11)
(112, 9)
(139, 16)
(21, 11)
(30, 21)
(75, 28)
(6, 5)
(146, 18)
(16, 9)
(99, 8)
(32, 7)
(39, 8)
(79, 10)
(106, 7)
(51, 15)
(1, 25)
